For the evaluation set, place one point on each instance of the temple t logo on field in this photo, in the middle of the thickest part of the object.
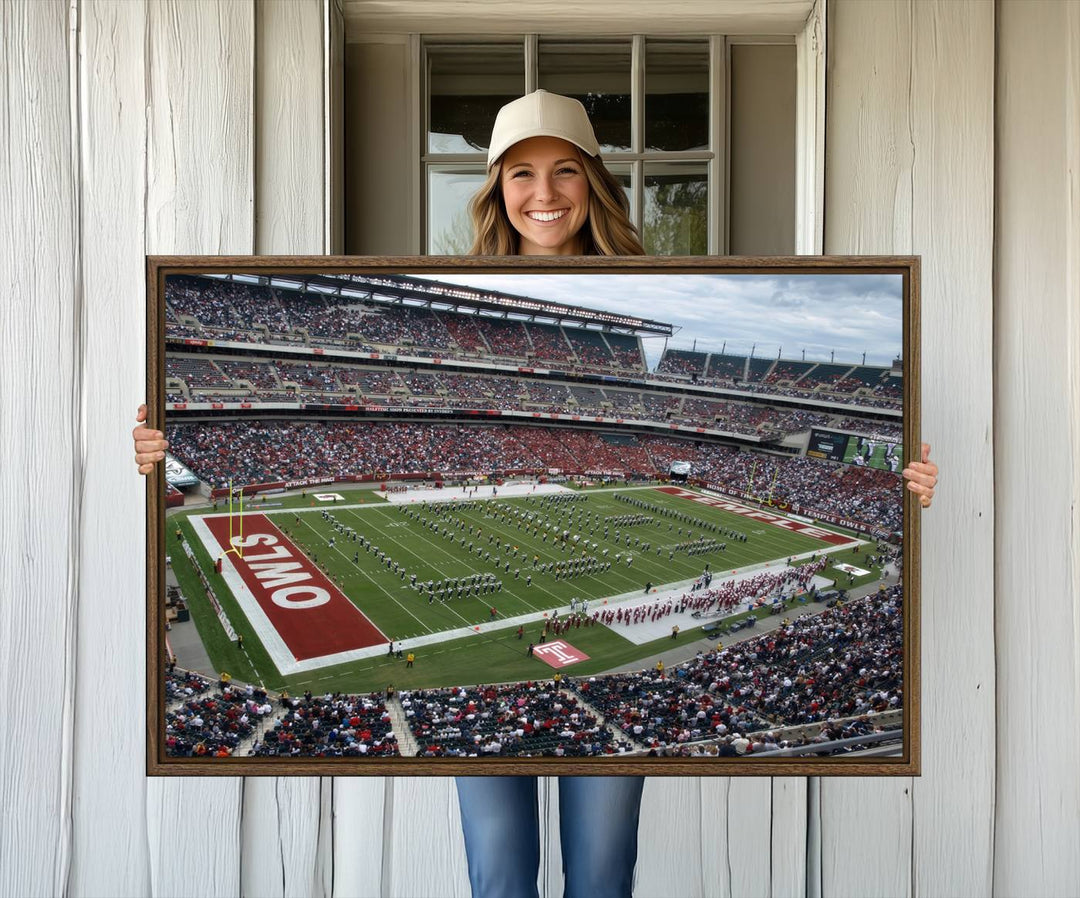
(559, 653)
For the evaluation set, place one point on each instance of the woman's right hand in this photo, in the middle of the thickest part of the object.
(150, 445)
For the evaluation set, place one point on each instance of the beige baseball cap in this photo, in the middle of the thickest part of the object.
(541, 114)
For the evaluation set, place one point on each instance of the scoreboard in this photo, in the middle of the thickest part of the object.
(871, 452)
(828, 445)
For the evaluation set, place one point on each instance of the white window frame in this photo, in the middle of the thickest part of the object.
(810, 125)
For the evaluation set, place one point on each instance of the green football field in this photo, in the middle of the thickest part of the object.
(500, 528)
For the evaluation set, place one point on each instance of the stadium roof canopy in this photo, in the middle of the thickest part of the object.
(400, 290)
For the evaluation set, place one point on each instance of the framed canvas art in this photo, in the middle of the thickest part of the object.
(436, 516)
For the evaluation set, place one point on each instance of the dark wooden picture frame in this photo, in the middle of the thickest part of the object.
(570, 320)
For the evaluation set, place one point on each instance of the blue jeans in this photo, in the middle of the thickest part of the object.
(598, 822)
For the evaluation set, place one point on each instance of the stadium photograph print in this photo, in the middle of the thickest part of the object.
(520, 516)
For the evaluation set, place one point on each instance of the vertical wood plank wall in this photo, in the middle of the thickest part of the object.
(109, 822)
(1037, 364)
(909, 169)
(284, 849)
(952, 227)
(39, 553)
(171, 126)
(200, 197)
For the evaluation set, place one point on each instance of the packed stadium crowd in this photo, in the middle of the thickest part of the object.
(521, 719)
(844, 662)
(831, 673)
(265, 452)
(331, 726)
(209, 309)
(207, 379)
(222, 311)
(863, 494)
(862, 385)
(183, 685)
(876, 400)
(882, 430)
(213, 724)
(682, 363)
(786, 371)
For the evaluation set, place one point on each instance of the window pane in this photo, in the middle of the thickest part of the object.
(597, 74)
(676, 95)
(449, 191)
(676, 209)
(467, 84)
(624, 176)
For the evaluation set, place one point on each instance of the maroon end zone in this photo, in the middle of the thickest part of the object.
(766, 517)
(311, 615)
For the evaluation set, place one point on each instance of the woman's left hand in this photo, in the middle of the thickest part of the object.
(922, 477)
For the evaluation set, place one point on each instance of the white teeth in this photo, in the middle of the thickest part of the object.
(547, 216)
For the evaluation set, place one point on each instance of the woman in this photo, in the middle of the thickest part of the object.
(546, 183)
(548, 193)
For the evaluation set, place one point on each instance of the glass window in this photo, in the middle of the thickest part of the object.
(450, 188)
(467, 85)
(676, 211)
(676, 96)
(597, 74)
(624, 174)
(651, 105)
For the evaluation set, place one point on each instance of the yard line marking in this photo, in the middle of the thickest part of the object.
(414, 554)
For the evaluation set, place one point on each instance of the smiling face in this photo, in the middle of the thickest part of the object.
(546, 195)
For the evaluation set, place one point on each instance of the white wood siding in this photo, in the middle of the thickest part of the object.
(109, 827)
(41, 447)
(1037, 451)
(200, 196)
(285, 846)
(953, 131)
(909, 150)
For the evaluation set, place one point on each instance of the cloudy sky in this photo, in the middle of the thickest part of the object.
(818, 313)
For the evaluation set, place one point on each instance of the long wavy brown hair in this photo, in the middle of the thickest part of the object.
(607, 231)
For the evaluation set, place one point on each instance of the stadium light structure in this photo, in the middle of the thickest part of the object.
(493, 300)
(396, 289)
